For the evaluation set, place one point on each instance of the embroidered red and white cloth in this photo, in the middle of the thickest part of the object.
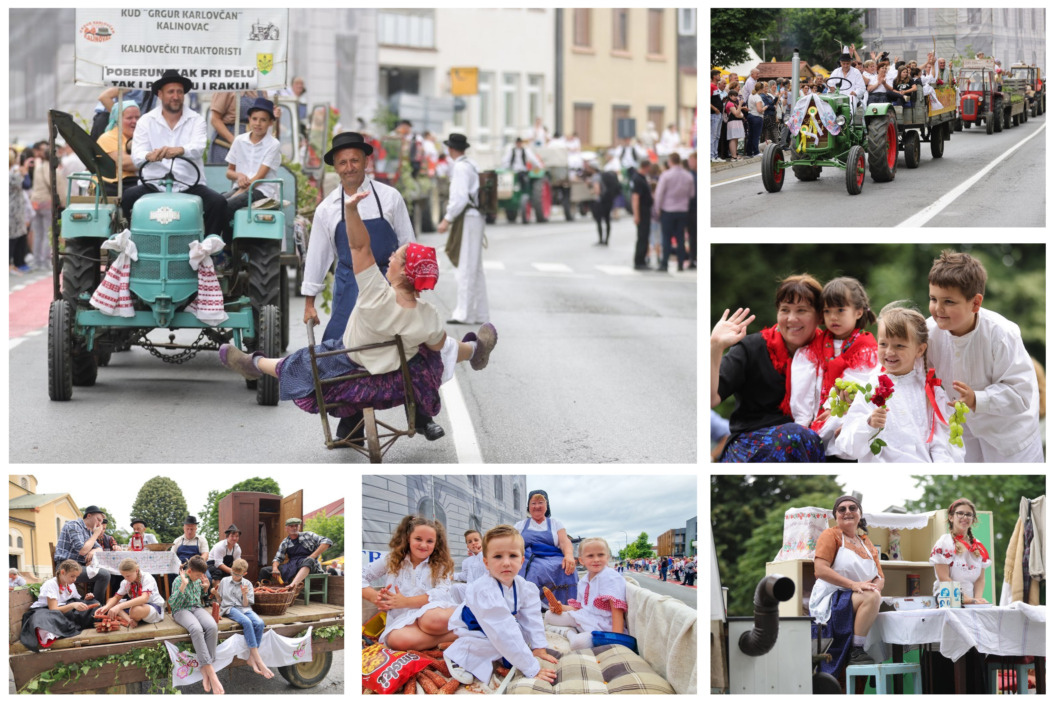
(112, 295)
(208, 306)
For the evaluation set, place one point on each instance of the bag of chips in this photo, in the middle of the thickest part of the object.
(385, 670)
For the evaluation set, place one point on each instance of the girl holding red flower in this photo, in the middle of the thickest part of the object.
(901, 421)
(958, 556)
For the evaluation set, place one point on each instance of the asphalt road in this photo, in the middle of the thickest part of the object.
(688, 594)
(595, 363)
(982, 180)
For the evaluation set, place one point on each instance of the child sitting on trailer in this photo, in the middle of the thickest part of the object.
(500, 617)
(142, 601)
(601, 591)
(58, 612)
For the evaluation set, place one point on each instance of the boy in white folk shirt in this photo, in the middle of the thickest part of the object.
(254, 155)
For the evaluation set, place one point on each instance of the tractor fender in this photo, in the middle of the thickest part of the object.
(878, 110)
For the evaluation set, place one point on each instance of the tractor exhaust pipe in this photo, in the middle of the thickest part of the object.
(770, 591)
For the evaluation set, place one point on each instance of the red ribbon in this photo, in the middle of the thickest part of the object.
(781, 362)
(933, 381)
(983, 554)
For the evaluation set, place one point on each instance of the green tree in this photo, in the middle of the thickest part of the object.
(761, 547)
(209, 520)
(331, 527)
(160, 503)
(734, 30)
(820, 33)
(998, 494)
(639, 549)
(740, 503)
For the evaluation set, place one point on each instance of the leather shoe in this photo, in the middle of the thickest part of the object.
(431, 430)
(486, 342)
(458, 322)
(240, 362)
(857, 655)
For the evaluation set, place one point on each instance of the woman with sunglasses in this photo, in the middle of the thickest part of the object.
(849, 583)
(958, 556)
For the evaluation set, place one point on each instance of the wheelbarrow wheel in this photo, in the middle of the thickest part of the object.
(306, 675)
(270, 341)
(371, 434)
(60, 351)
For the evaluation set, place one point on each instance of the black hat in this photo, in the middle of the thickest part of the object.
(171, 76)
(232, 528)
(845, 57)
(135, 520)
(548, 512)
(263, 104)
(345, 141)
(457, 141)
(190, 520)
(92, 510)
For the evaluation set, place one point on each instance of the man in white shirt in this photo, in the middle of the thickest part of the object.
(520, 160)
(670, 141)
(748, 87)
(165, 133)
(472, 302)
(855, 87)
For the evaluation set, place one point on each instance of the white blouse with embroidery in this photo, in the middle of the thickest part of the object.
(411, 581)
(964, 567)
(596, 598)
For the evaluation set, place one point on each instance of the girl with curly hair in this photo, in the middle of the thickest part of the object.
(416, 595)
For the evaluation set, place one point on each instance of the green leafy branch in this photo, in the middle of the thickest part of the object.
(153, 660)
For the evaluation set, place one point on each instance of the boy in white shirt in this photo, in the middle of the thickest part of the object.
(980, 357)
(500, 617)
(472, 567)
(254, 155)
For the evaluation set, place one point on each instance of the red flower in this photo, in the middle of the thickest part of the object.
(883, 390)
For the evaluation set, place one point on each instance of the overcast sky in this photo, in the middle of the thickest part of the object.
(116, 488)
(881, 490)
(610, 506)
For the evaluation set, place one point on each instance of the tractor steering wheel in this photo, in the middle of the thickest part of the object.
(170, 175)
(842, 80)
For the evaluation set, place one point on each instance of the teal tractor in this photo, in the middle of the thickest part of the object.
(162, 282)
(866, 142)
(531, 199)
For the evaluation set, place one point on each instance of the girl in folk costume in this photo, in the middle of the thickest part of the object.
(58, 611)
(844, 349)
(417, 594)
(600, 603)
(137, 597)
(958, 556)
(902, 421)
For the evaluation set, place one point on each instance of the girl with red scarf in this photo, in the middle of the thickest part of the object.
(843, 350)
(757, 370)
(958, 556)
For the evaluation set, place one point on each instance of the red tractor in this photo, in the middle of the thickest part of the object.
(981, 97)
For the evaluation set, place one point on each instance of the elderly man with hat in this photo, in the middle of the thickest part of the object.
(190, 543)
(79, 540)
(468, 233)
(386, 219)
(169, 131)
(302, 550)
(140, 538)
(224, 554)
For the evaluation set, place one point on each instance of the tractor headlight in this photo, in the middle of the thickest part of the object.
(842, 121)
(265, 217)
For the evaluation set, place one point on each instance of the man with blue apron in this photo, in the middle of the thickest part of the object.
(301, 550)
(328, 243)
(189, 544)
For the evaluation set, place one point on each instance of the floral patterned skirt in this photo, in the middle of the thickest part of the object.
(786, 442)
(378, 391)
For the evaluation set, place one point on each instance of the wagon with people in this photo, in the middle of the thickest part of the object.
(931, 119)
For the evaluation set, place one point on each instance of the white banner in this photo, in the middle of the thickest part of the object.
(275, 650)
(219, 50)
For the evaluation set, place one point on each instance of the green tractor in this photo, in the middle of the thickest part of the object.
(517, 201)
(866, 142)
(162, 282)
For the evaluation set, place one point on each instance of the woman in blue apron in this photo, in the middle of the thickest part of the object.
(549, 552)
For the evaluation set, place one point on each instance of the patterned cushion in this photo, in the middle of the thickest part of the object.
(610, 669)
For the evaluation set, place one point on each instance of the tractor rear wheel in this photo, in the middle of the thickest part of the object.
(284, 304)
(855, 164)
(998, 120)
(989, 123)
(772, 174)
(85, 366)
(882, 147)
(1007, 119)
(911, 149)
(937, 141)
(260, 259)
(80, 268)
(269, 340)
(60, 351)
(958, 125)
(803, 172)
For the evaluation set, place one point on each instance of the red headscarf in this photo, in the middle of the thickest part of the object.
(421, 266)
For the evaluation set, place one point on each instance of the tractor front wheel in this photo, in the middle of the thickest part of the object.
(989, 123)
(911, 149)
(772, 174)
(882, 147)
(269, 340)
(855, 170)
(60, 351)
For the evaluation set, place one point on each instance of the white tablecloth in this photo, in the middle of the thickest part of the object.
(1017, 629)
(150, 562)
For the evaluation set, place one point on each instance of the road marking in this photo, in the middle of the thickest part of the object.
(463, 436)
(732, 181)
(493, 265)
(568, 275)
(552, 267)
(14, 342)
(35, 332)
(933, 209)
